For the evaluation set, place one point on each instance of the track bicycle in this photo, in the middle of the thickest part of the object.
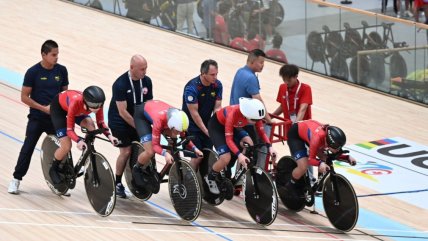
(183, 185)
(259, 191)
(98, 180)
(339, 198)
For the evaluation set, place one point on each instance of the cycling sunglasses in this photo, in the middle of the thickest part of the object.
(93, 105)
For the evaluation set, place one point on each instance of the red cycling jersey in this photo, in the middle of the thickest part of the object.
(313, 133)
(72, 102)
(156, 112)
(231, 117)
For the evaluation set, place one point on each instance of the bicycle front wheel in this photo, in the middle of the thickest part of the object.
(343, 212)
(260, 196)
(99, 185)
(184, 190)
(49, 146)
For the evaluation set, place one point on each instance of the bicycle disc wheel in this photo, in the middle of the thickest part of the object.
(377, 68)
(49, 146)
(398, 66)
(284, 168)
(339, 68)
(261, 203)
(374, 41)
(364, 70)
(276, 11)
(315, 46)
(353, 43)
(100, 185)
(140, 193)
(333, 43)
(184, 190)
(342, 214)
(210, 157)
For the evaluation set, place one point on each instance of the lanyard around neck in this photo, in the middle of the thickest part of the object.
(295, 97)
(133, 90)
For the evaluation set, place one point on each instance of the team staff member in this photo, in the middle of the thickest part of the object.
(202, 96)
(129, 90)
(226, 126)
(245, 83)
(42, 82)
(72, 107)
(295, 97)
(153, 119)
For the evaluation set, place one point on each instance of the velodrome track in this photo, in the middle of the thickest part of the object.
(96, 48)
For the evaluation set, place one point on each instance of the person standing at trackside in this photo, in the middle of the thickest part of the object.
(69, 108)
(185, 10)
(129, 90)
(201, 98)
(42, 82)
(309, 141)
(295, 97)
(246, 84)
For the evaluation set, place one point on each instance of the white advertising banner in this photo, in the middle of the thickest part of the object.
(392, 166)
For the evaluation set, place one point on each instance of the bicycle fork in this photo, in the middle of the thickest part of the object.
(95, 178)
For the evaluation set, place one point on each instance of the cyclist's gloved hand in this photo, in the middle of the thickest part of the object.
(113, 140)
(168, 158)
(243, 160)
(323, 167)
(199, 153)
(81, 145)
(352, 161)
(273, 154)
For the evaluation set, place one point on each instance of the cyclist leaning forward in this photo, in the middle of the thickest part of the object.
(320, 139)
(226, 128)
(153, 119)
(72, 107)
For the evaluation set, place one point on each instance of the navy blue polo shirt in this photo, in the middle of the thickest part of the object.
(45, 84)
(122, 91)
(205, 96)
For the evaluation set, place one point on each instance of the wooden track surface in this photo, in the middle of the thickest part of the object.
(96, 48)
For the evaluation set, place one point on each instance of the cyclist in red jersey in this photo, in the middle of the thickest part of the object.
(320, 138)
(226, 129)
(72, 107)
(153, 119)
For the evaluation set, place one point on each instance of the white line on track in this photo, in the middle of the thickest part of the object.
(71, 226)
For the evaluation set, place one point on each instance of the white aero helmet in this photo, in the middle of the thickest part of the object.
(177, 119)
(252, 108)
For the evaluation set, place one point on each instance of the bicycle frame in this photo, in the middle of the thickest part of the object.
(89, 152)
(331, 172)
(173, 147)
(252, 152)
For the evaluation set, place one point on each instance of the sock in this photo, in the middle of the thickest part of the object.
(55, 163)
(118, 179)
